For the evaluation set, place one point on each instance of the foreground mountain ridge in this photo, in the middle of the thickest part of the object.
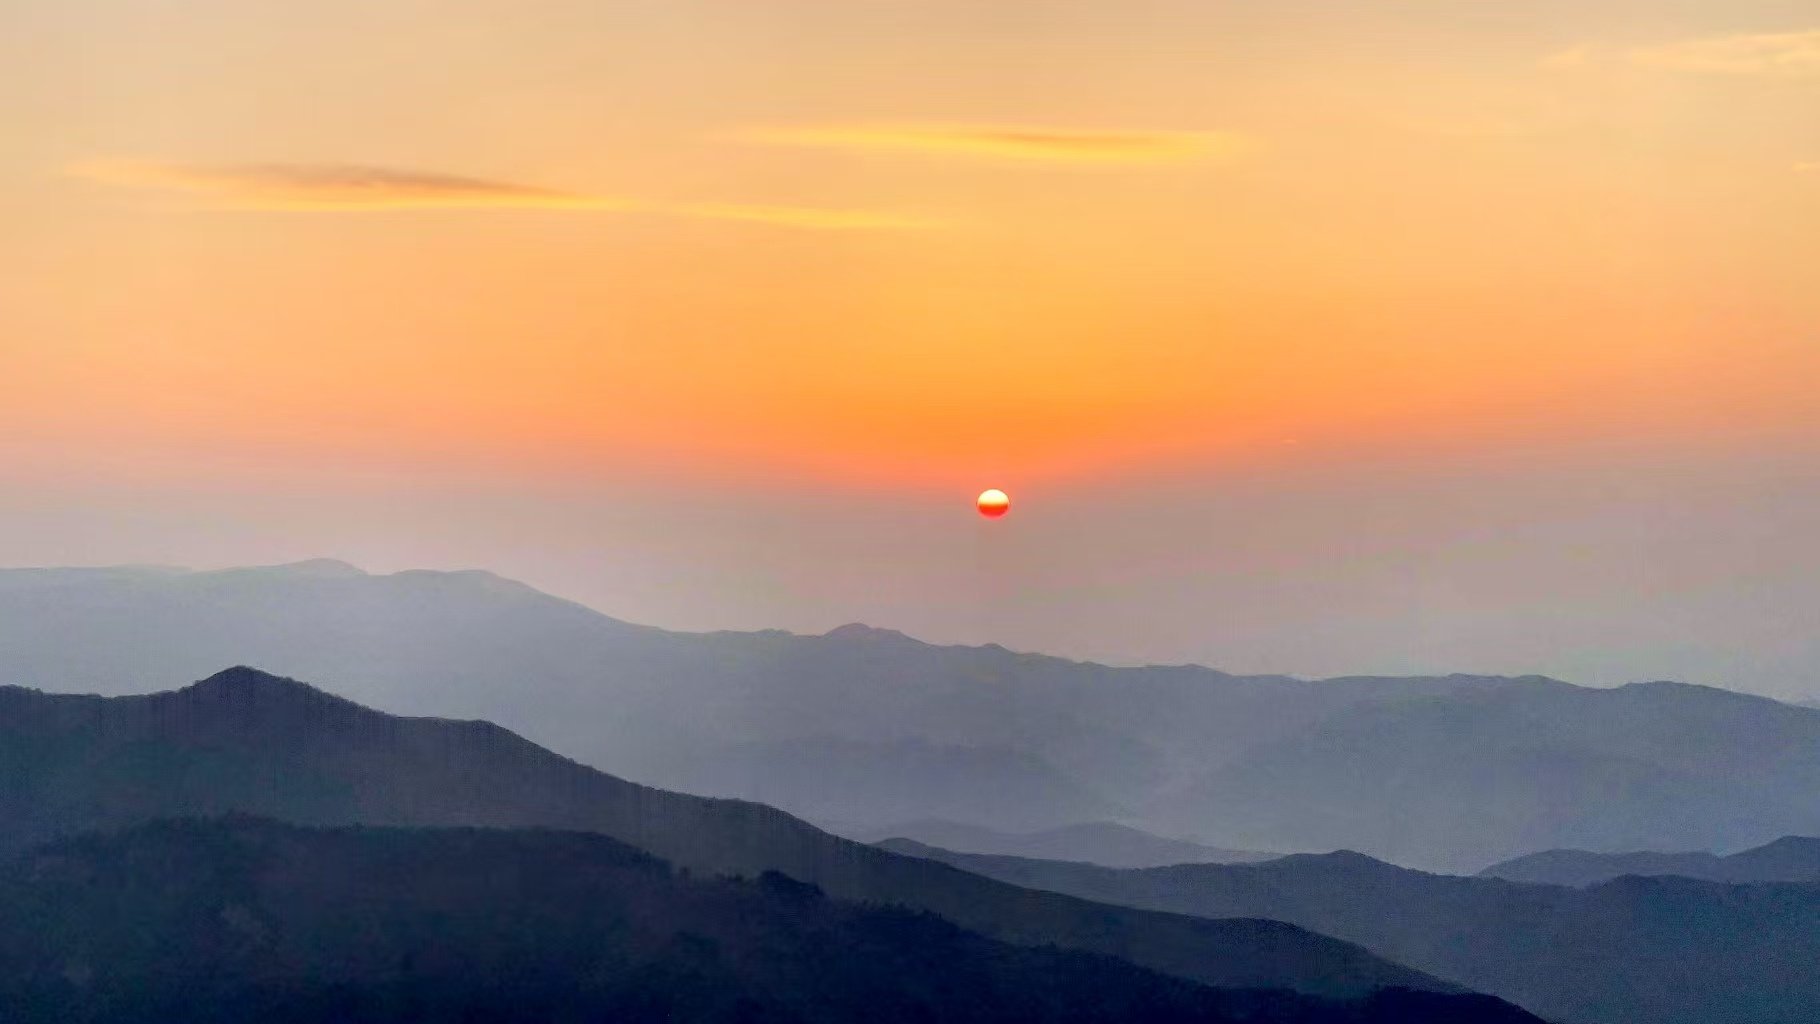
(237, 919)
(246, 741)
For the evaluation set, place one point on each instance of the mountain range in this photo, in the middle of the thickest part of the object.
(238, 919)
(1629, 951)
(870, 727)
(1097, 842)
(1789, 859)
(247, 742)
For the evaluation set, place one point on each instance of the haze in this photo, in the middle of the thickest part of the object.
(1307, 338)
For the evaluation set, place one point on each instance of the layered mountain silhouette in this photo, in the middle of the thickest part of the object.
(1447, 772)
(1628, 951)
(239, 919)
(1789, 859)
(245, 741)
(1100, 842)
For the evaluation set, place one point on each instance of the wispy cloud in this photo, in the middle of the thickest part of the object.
(360, 188)
(1765, 54)
(801, 216)
(333, 187)
(1010, 142)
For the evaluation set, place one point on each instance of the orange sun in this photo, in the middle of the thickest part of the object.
(994, 503)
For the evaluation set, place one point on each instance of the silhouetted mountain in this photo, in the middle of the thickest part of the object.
(1629, 951)
(1789, 859)
(248, 920)
(244, 741)
(1101, 842)
(1453, 772)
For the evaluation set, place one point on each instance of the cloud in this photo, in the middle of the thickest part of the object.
(360, 188)
(1808, 167)
(1007, 142)
(801, 216)
(1765, 55)
(334, 187)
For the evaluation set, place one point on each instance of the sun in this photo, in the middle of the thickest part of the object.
(993, 503)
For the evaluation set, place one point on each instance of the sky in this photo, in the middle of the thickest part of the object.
(1308, 337)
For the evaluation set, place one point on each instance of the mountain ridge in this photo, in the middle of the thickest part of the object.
(1786, 859)
(1106, 843)
(1045, 742)
(235, 918)
(247, 741)
(1632, 950)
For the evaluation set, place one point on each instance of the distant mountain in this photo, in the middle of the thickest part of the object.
(1789, 859)
(1629, 951)
(245, 741)
(1102, 842)
(872, 727)
(245, 919)
(1580, 868)
(764, 715)
(1457, 781)
(827, 778)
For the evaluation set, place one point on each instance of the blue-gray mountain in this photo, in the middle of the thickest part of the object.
(1789, 859)
(243, 741)
(235, 920)
(1096, 842)
(1629, 951)
(1447, 772)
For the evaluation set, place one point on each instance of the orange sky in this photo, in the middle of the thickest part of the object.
(1313, 337)
(914, 244)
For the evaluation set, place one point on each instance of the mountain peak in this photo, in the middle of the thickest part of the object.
(1350, 861)
(861, 631)
(245, 676)
(243, 682)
